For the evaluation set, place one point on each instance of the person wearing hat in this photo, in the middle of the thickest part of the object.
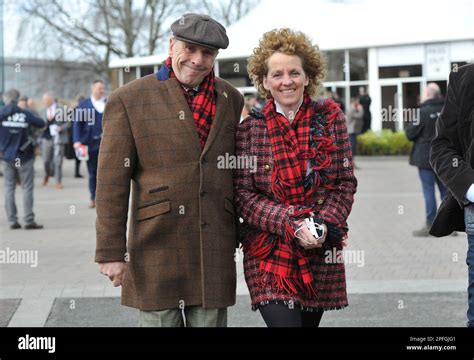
(164, 138)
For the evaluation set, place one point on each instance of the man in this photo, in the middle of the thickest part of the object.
(452, 158)
(166, 133)
(422, 133)
(355, 122)
(87, 130)
(17, 146)
(55, 138)
(23, 102)
(365, 101)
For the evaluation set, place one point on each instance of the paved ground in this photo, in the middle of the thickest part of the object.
(389, 269)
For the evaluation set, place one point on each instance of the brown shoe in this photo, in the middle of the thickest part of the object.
(59, 186)
(15, 226)
(45, 180)
(92, 204)
(33, 226)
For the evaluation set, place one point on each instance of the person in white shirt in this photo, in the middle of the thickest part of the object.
(87, 130)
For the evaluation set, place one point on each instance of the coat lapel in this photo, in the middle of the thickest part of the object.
(222, 105)
(183, 114)
(182, 107)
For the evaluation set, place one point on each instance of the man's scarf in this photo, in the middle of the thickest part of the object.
(284, 264)
(202, 103)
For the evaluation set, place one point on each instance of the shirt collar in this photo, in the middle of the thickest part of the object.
(279, 109)
(102, 99)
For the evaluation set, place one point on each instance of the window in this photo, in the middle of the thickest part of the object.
(358, 65)
(129, 74)
(386, 72)
(335, 65)
(235, 71)
(146, 70)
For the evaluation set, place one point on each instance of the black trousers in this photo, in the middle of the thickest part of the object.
(280, 315)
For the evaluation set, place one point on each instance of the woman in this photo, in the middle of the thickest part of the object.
(304, 169)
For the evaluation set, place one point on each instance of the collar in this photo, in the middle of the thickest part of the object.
(279, 109)
(102, 99)
(163, 74)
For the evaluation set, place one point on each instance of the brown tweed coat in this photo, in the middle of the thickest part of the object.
(181, 231)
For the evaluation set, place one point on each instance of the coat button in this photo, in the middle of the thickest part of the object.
(203, 224)
(267, 167)
(202, 193)
(320, 201)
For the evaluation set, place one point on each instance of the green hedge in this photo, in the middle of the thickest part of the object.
(386, 142)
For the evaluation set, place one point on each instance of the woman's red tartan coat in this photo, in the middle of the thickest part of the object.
(256, 205)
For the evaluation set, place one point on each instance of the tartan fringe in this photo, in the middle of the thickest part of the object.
(286, 285)
(292, 304)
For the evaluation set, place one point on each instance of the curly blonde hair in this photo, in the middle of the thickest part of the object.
(288, 42)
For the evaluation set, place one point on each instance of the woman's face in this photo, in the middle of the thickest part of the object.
(285, 79)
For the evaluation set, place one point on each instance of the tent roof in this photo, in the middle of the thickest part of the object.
(346, 24)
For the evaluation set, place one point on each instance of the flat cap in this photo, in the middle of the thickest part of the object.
(200, 30)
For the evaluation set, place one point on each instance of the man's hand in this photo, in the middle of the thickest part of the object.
(76, 145)
(114, 270)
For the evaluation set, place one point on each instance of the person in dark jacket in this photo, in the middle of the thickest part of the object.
(17, 146)
(452, 158)
(87, 130)
(365, 101)
(421, 133)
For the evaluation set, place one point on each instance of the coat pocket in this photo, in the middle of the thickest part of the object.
(158, 189)
(153, 210)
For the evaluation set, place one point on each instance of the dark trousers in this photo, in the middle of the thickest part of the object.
(92, 169)
(353, 141)
(470, 289)
(77, 167)
(469, 221)
(280, 315)
(428, 181)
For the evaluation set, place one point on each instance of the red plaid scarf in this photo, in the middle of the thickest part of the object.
(283, 264)
(202, 104)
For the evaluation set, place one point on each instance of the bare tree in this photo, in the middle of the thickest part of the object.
(99, 30)
(228, 11)
(102, 29)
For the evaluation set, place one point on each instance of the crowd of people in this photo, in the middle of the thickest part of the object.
(54, 133)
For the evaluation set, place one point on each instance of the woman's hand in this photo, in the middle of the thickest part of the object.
(307, 240)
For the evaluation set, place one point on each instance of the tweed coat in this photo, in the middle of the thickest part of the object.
(181, 232)
(260, 210)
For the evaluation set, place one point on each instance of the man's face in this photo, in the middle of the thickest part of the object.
(22, 104)
(98, 90)
(47, 100)
(191, 63)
